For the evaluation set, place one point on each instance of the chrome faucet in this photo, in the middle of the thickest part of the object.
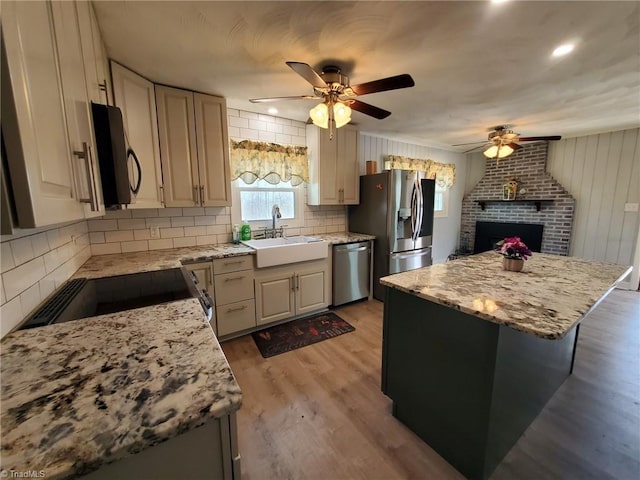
(275, 213)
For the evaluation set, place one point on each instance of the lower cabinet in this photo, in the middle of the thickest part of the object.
(246, 298)
(291, 290)
(234, 296)
(209, 451)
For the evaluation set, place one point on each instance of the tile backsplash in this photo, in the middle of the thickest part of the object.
(34, 263)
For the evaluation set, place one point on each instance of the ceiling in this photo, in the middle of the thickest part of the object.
(475, 64)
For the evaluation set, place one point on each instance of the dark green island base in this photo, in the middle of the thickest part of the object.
(468, 387)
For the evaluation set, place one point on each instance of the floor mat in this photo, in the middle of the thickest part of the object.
(300, 333)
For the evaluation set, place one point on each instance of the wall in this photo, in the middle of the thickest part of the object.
(602, 172)
(34, 262)
(129, 230)
(528, 165)
(446, 230)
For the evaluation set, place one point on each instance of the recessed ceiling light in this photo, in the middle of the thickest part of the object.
(499, 1)
(272, 110)
(563, 50)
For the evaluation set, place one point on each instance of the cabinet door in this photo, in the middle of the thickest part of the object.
(93, 53)
(33, 118)
(213, 150)
(311, 290)
(178, 147)
(330, 181)
(76, 101)
(275, 298)
(135, 96)
(349, 167)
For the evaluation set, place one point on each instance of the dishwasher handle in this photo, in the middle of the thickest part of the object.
(351, 247)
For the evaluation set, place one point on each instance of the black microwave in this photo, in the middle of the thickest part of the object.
(119, 183)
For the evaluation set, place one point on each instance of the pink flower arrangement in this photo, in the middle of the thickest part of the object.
(513, 247)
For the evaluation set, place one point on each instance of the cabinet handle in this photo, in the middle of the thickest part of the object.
(103, 88)
(195, 195)
(231, 279)
(236, 309)
(233, 263)
(201, 194)
(293, 283)
(84, 155)
(297, 282)
(161, 193)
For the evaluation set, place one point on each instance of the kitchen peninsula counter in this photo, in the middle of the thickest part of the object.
(472, 353)
(81, 394)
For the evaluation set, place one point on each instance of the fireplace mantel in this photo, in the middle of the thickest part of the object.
(537, 202)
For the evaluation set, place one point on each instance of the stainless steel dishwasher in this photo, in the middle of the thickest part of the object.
(351, 264)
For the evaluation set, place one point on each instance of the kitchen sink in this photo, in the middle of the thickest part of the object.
(281, 251)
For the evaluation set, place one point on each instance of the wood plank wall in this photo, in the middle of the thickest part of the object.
(602, 172)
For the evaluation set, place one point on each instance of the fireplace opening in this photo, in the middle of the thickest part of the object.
(489, 233)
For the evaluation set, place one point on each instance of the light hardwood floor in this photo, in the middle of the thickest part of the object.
(318, 412)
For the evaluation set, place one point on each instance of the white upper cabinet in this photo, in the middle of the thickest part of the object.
(33, 118)
(94, 54)
(333, 166)
(77, 107)
(135, 96)
(193, 148)
(213, 152)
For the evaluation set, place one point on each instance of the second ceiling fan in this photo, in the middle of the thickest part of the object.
(338, 96)
(502, 142)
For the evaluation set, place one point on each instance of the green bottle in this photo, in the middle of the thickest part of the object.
(245, 231)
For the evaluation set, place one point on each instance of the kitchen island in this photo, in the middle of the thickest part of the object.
(472, 353)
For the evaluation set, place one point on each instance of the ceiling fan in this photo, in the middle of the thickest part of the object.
(338, 96)
(502, 142)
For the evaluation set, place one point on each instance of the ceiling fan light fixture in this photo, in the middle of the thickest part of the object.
(495, 151)
(320, 115)
(341, 114)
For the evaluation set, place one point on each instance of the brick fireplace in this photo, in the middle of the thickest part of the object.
(544, 202)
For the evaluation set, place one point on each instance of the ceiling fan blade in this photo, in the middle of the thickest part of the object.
(276, 99)
(463, 144)
(531, 139)
(370, 110)
(384, 84)
(476, 148)
(515, 146)
(308, 73)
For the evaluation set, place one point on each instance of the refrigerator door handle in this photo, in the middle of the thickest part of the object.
(420, 208)
(414, 213)
(416, 208)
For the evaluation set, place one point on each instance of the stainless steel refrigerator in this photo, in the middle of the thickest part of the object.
(397, 207)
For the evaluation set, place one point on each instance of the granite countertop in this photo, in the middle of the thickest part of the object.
(135, 262)
(80, 394)
(546, 299)
(342, 238)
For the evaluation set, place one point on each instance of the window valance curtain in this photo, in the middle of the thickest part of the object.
(443, 173)
(271, 162)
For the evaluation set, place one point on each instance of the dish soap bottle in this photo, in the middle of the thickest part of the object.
(236, 234)
(245, 231)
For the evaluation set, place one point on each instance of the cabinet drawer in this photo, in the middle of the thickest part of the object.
(236, 317)
(233, 287)
(232, 264)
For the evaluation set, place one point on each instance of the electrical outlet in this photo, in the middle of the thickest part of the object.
(154, 232)
(630, 207)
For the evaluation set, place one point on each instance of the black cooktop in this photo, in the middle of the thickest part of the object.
(82, 298)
